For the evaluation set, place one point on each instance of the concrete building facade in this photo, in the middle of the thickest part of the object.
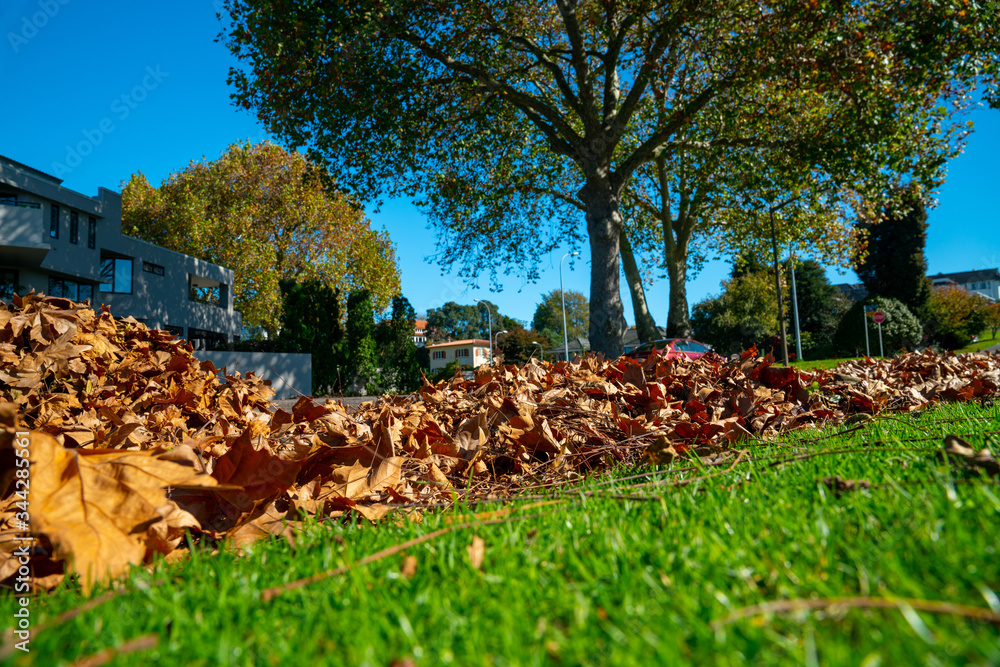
(63, 243)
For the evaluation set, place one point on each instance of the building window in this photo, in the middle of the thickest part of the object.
(8, 283)
(74, 227)
(462, 353)
(155, 269)
(438, 354)
(92, 233)
(54, 222)
(116, 275)
(70, 289)
(202, 339)
(176, 331)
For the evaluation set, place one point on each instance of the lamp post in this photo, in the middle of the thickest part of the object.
(497, 337)
(562, 295)
(795, 306)
(541, 350)
(489, 317)
(777, 275)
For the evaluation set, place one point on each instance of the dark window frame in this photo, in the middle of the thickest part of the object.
(112, 286)
(92, 233)
(74, 227)
(54, 215)
(155, 269)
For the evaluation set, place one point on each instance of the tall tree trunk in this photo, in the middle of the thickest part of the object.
(644, 324)
(604, 226)
(678, 322)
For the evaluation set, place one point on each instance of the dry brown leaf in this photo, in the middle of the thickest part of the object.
(97, 508)
(477, 552)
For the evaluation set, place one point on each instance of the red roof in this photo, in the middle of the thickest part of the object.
(468, 341)
(420, 324)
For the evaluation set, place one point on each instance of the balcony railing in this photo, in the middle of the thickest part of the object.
(6, 201)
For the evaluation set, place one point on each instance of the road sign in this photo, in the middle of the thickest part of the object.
(869, 309)
(878, 317)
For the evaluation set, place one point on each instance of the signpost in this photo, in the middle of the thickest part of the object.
(879, 318)
(868, 309)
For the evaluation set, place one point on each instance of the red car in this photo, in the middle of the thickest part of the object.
(675, 347)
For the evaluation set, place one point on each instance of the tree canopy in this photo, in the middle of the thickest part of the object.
(460, 322)
(268, 214)
(558, 104)
(548, 315)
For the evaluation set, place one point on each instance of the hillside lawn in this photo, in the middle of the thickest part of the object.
(670, 566)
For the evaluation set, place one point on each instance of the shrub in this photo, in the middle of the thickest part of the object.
(901, 329)
(956, 315)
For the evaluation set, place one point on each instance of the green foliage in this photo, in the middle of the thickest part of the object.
(549, 314)
(894, 265)
(310, 323)
(820, 309)
(267, 214)
(497, 111)
(900, 331)
(397, 351)
(447, 371)
(454, 321)
(956, 315)
(362, 355)
(993, 317)
(518, 345)
(745, 314)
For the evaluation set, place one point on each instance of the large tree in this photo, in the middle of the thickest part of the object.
(894, 264)
(267, 214)
(459, 321)
(394, 93)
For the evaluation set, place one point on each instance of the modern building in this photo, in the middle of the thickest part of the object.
(472, 352)
(63, 243)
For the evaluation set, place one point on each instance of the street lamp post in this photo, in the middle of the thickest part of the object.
(562, 295)
(497, 337)
(489, 317)
(777, 275)
(795, 307)
(541, 350)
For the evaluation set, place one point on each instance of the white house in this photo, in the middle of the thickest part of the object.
(472, 353)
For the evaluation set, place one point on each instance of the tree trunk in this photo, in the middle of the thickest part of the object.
(644, 324)
(604, 226)
(678, 322)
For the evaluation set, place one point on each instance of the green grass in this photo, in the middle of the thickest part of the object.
(986, 340)
(818, 364)
(600, 580)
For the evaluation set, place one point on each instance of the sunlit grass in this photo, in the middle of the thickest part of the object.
(616, 574)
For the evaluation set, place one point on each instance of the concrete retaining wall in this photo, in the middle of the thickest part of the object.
(287, 372)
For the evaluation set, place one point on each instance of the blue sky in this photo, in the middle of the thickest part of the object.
(93, 92)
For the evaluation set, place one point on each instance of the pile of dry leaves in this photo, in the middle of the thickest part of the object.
(134, 442)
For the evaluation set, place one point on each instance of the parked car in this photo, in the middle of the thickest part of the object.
(675, 347)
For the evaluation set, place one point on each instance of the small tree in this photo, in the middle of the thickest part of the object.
(993, 318)
(310, 324)
(517, 345)
(956, 316)
(361, 349)
(397, 351)
(820, 309)
(548, 315)
(901, 329)
(745, 314)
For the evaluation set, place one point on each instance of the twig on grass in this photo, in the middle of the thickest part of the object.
(143, 643)
(269, 594)
(802, 604)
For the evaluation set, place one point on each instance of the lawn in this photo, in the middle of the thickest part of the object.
(646, 567)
